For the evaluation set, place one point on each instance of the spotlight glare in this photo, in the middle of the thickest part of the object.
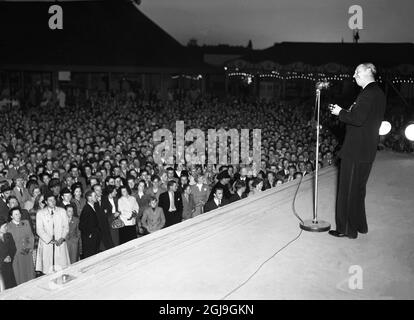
(409, 132)
(385, 128)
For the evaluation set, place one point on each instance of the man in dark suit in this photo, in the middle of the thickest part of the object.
(110, 209)
(358, 152)
(5, 191)
(106, 239)
(89, 226)
(217, 201)
(172, 204)
(240, 193)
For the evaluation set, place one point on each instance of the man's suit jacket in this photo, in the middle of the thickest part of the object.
(363, 121)
(104, 226)
(90, 231)
(164, 202)
(226, 191)
(4, 209)
(211, 204)
(21, 197)
(235, 197)
(107, 209)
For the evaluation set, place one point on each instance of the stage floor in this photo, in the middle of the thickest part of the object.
(209, 256)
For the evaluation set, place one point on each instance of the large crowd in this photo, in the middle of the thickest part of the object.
(78, 179)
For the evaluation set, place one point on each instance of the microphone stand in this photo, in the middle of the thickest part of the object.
(53, 239)
(316, 225)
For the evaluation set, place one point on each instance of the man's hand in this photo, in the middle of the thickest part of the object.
(7, 259)
(60, 241)
(335, 109)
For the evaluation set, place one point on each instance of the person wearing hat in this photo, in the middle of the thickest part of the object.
(5, 191)
(7, 253)
(52, 227)
(223, 181)
(19, 191)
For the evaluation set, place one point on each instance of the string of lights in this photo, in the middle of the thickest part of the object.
(311, 76)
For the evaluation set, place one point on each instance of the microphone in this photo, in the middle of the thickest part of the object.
(322, 85)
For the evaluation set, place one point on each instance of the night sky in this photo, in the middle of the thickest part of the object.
(265, 22)
(268, 21)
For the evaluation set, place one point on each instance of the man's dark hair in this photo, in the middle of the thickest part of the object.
(218, 188)
(240, 184)
(154, 176)
(70, 205)
(110, 189)
(170, 184)
(88, 194)
(11, 197)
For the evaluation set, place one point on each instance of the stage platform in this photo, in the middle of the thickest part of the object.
(208, 257)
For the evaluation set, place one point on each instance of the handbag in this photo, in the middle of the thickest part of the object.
(117, 223)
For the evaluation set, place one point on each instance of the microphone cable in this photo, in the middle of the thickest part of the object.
(275, 253)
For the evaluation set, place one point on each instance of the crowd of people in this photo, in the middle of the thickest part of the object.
(77, 180)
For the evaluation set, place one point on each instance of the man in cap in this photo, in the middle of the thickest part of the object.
(52, 227)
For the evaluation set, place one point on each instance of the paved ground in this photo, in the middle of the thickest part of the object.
(210, 256)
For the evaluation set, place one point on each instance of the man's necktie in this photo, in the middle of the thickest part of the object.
(21, 192)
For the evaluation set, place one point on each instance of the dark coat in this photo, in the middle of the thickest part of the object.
(4, 209)
(363, 121)
(90, 231)
(235, 197)
(107, 209)
(7, 248)
(211, 205)
(104, 226)
(164, 203)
